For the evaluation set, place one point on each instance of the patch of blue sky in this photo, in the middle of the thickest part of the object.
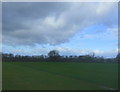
(88, 39)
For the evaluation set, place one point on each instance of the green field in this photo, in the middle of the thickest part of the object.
(59, 76)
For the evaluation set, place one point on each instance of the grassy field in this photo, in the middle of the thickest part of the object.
(59, 76)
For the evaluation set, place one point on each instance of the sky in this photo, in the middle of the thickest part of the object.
(72, 28)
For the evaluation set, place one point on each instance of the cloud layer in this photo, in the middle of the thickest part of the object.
(66, 51)
(52, 23)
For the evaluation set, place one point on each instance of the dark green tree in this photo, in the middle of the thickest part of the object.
(54, 55)
(118, 57)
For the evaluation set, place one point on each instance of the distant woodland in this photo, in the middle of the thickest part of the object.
(54, 56)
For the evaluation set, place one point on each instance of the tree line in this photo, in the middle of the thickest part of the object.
(54, 56)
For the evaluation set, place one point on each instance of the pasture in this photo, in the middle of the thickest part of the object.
(59, 76)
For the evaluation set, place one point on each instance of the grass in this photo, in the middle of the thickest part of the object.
(59, 76)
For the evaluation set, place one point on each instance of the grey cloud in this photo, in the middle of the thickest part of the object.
(14, 14)
(51, 23)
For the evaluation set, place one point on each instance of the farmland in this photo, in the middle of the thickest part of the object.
(59, 76)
